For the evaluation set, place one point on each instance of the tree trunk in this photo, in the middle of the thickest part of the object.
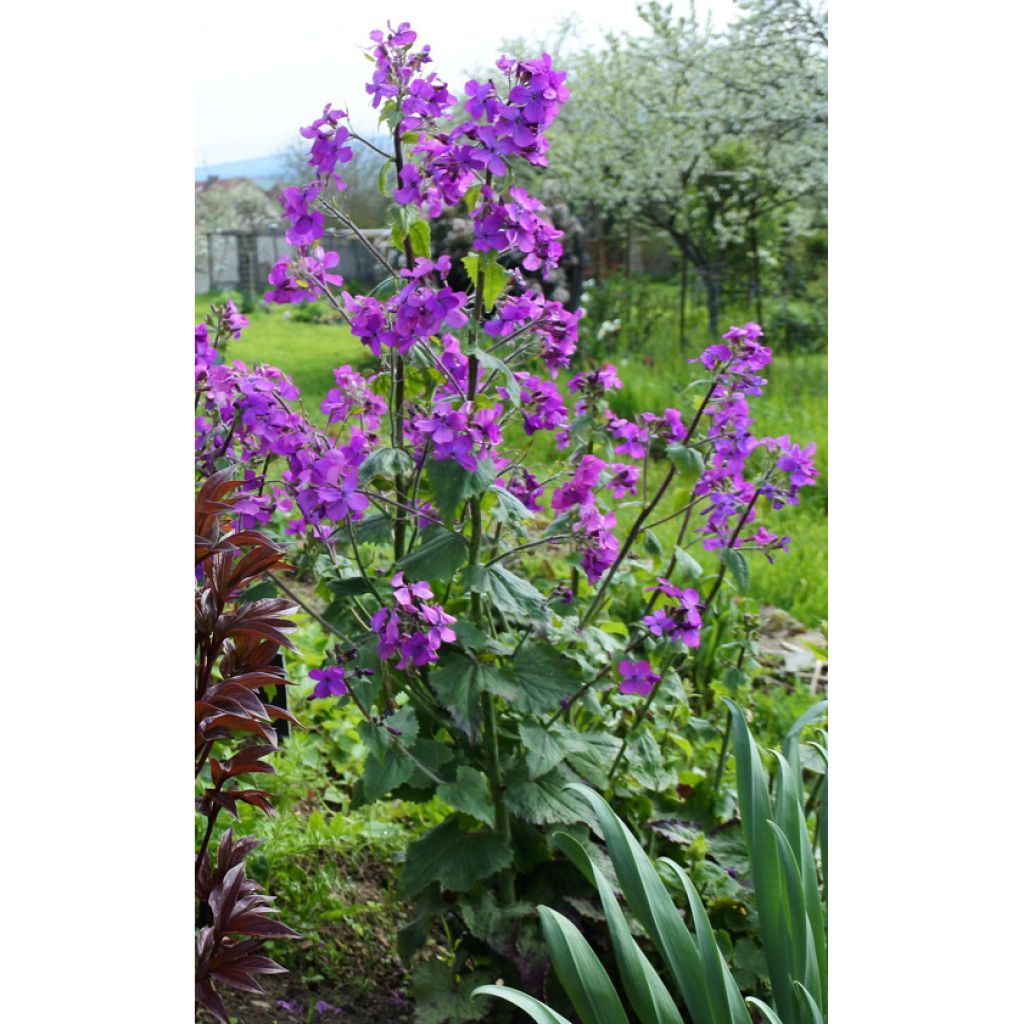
(712, 295)
(684, 269)
(756, 279)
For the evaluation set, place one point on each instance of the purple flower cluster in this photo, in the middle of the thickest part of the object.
(304, 278)
(352, 397)
(540, 403)
(514, 224)
(637, 436)
(681, 620)
(414, 314)
(596, 530)
(466, 434)
(546, 320)
(247, 415)
(329, 138)
(412, 627)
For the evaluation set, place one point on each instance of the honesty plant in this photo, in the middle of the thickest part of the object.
(423, 502)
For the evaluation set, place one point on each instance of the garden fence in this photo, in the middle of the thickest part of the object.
(242, 259)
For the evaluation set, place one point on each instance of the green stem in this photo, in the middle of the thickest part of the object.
(627, 544)
(506, 882)
(629, 732)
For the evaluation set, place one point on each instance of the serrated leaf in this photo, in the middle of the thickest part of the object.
(458, 683)
(546, 748)
(469, 793)
(451, 484)
(544, 675)
(472, 197)
(439, 556)
(545, 800)
(495, 278)
(439, 1000)
(492, 362)
(375, 529)
(507, 591)
(386, 462)
(647, 763)
(419, 236)
(509, 510)
(453, 858)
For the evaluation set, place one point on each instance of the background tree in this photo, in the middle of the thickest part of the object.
(713, 133)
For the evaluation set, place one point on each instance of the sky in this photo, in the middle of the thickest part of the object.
(268, 73)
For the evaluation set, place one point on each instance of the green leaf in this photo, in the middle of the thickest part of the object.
(652, 545)
(545, 800)
(438, 557)
(384, 462)
(492, 362)
(495, 277)
(540, 1013)
(509, 510)
(472, 197)
(507, 591)
(439, 999)
(688, 565)
(419, 235)
(382, 177)
(736, 562)
(451, 484)
(766, 1011)
(375, 529)
(348, 586)
(380, 777)
(646, 991)
(260, 591)
(544, 675)
(687, 460)
(584, 979)
(458, 683)
(472, 265)
(388, 765)
(772, 903)
(546, 747)
(647, 763)
(469, 793)
(649, 899)
(455, 859)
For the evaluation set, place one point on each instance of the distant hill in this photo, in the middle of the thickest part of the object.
(263, 170)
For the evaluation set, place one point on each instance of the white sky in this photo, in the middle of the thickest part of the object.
(263, 69)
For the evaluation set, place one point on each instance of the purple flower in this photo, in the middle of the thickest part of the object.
(637, 678)
(330, 682)
(681, 620)
(306, 225)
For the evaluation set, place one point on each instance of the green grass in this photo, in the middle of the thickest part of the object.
(307, 352)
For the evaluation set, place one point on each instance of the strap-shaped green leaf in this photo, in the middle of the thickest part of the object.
(789, 816)
(534, 1007)
(647, 896)
(645, 991)
(716, 970)
(769, 1014)
(769, 887)
(584, 979)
